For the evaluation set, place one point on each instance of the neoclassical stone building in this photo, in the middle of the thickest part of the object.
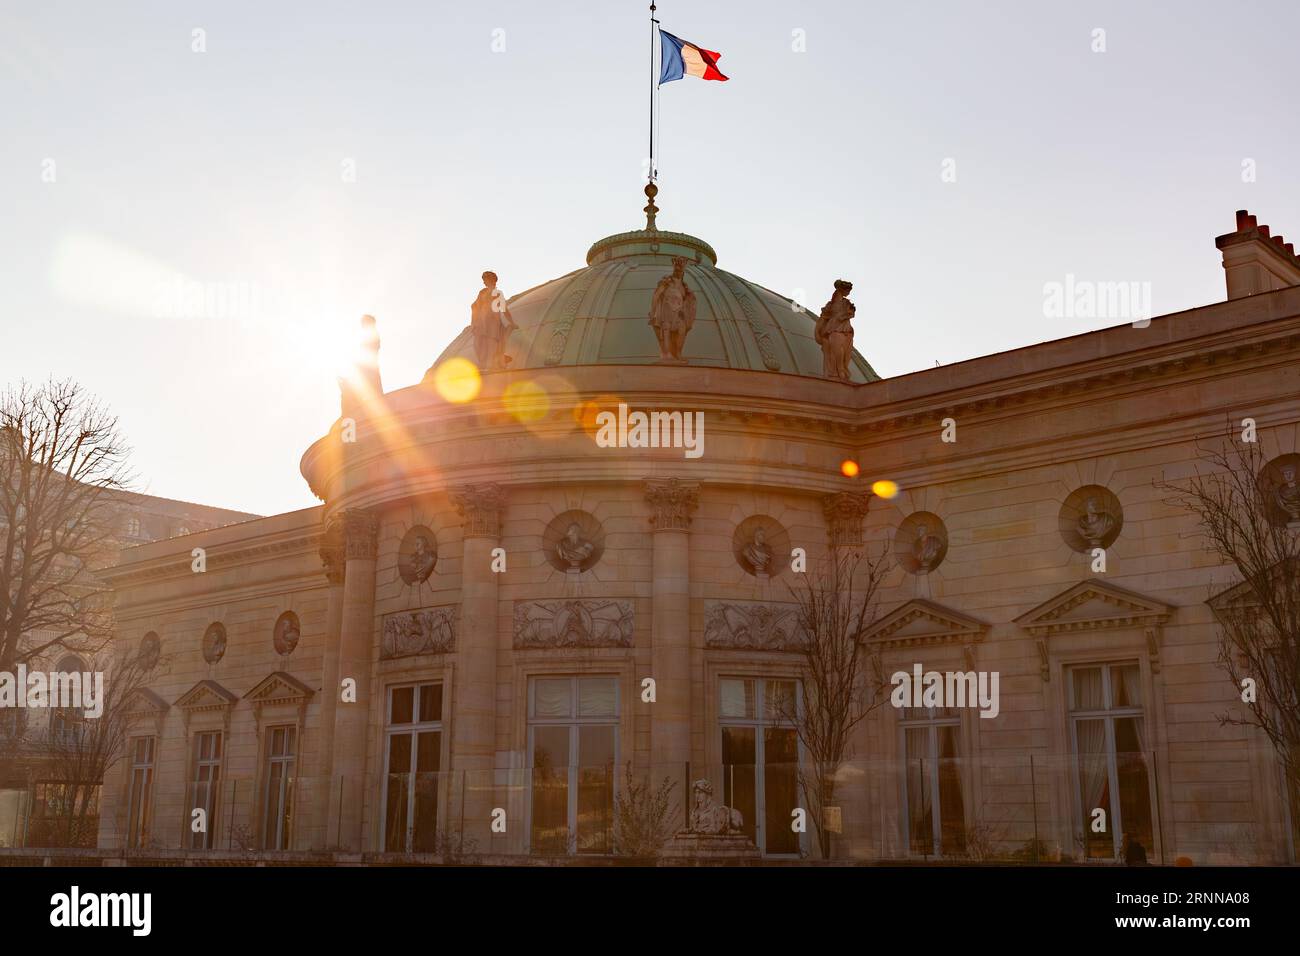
(449, 653)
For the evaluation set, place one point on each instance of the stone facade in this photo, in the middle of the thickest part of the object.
(1002, 590)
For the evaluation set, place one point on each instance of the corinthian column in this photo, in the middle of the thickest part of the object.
(672, 503)
(473, 719)
(844, 512)
(322, 791)
(360, 530)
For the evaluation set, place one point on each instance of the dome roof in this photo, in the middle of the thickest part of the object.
(599, 315)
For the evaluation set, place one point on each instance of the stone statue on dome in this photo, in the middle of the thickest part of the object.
(834, 332)
(491, 324)
(672, 313)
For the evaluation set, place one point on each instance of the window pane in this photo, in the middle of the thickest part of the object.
(597, 697)
(551, 789)
(1087, 688)
(780, 787)
(403, 705)
(397, 786)
(399, 753)
(1094, 784)
(1134, 787)
(738, 698)
(595, 788)
(428, 755)
(920, 764)
(430, 703)
(1125, 686)
(779, 700)
(550, 747)
(952, 814)
(552, 698)
(739, 775)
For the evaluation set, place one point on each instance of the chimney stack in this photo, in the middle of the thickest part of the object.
(1255, 261)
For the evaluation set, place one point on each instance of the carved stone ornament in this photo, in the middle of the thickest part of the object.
(761, 546)
(480, 507)
(587, 622)
(921, 542)
(573, 541)
(834, 332)
(429, 631)
(150, 649)
(1091, 518)
(672, 503)
(214, 642)
(752, 626)
(360, 535)
(286, 634)
(417, 555)
(331, 551)
(672, 313)
(844, 512)
(707, 816)
(1280, 484)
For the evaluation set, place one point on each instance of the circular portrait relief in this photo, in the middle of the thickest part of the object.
(574, 541)
(1279, 484)
(286, 633)
(921, 542)
(150, 649)
(416, 555)
(761, 546)
(214, 642)
(1091, 518)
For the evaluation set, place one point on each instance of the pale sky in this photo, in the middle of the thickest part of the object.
(224, 171)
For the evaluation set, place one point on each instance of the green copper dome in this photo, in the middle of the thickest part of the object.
(598, 315)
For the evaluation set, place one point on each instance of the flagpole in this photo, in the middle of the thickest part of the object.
(653, 21)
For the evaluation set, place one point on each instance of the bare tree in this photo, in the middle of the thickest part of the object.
(1240, 503)
(837, 605)
(643, 815)
(62, 466)
(80, 749)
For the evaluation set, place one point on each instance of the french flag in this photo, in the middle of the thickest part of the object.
(680, 58)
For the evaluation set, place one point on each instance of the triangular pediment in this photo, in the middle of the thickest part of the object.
(206, 695)
(145, 703)
(279, 688)
(921, 622)
(1094, 605)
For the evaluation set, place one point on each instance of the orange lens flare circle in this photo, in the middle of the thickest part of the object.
(849, 468)
(458, 381)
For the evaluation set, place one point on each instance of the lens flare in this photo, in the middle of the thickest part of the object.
(527, 401)
(884, 488)
(584, 413)
(849, 468)
(457, 380)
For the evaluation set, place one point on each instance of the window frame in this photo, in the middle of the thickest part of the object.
(412, 730)
(137, 836)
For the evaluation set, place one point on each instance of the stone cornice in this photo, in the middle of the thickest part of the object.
(925, 623)
(1124, 609)
(218, 558)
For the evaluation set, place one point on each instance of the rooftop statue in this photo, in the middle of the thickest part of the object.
(491, 324)
(834, 332)
(672, 313)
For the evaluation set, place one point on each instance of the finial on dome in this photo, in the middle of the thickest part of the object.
(651, 190)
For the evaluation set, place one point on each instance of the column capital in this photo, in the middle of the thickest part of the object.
(480, 508)
(672, 502)
(844, 512)
(360, 534)
(331, 550)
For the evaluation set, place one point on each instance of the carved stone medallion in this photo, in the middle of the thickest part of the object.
(214, 642)
(417, 555)
(761, 546)
(921, 542)
(287, 632)
(1091, 518)
(150, 649)
(573, 541)
(1279, 483)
